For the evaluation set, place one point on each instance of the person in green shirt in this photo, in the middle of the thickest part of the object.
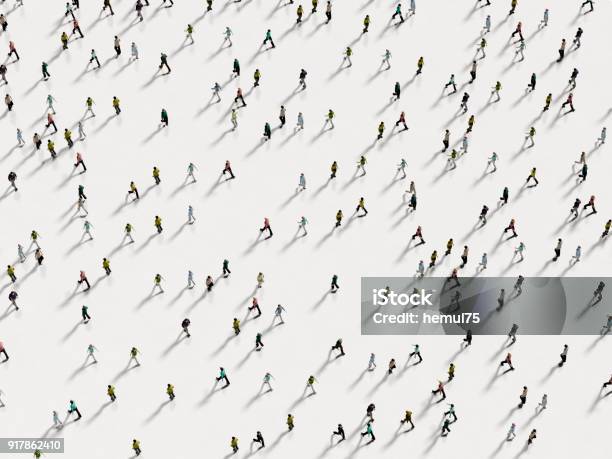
(190, 172)
(87, 229)
(223, 376)
(164, 117)
(90, 353)
(398, 12)
(74, 409)
(85, 314)
(267, 131)
(128, 232)
(268, 38)
(258, 342)
(45, 71)
(369, 432)
(397, 92)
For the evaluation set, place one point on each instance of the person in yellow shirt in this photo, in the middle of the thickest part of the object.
(339, 218)
(361, 206)
(420, 64)
(51, 148)
(136, 447)
(290, 422)
(10, 270)
(156, 175)
(334, 169)
(110, 391)
(116, 105)
(170, 391)
(106, 266)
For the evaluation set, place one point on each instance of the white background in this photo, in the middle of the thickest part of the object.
(47, 344)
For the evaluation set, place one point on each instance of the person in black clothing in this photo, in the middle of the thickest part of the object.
(340, 432)
(259, 439)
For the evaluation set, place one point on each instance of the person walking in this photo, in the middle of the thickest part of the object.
(523, 397)
(136, 447)
(268, 39)
(110, 391)
(340, 432)
(563, 355)
(532, 436)
(407, 419)
(369, 432)
(532, 176)
(558, 249)
(266, 227)
(561, 50)
(439, 390)
(507, 361)
(223, 377)
(163, 62)
(72, 408)
(185, 326)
